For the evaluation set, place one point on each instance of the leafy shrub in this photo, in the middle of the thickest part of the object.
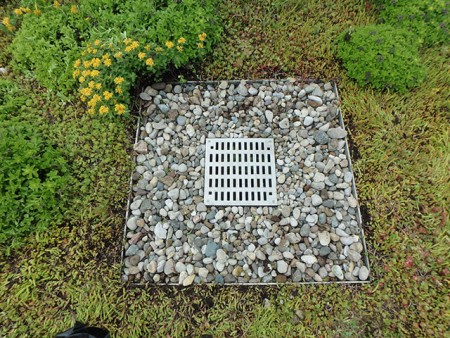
(381, 56)
(47, 44)
(428, 19)
(33, 176)
(168, 32)
(11, 98)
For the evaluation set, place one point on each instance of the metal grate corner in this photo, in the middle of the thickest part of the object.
(240, 172)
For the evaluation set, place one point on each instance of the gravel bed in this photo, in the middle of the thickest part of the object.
(312, 235)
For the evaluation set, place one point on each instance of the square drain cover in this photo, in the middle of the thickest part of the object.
(240, 172)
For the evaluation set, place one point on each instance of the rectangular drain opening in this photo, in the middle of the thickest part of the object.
(240, 172)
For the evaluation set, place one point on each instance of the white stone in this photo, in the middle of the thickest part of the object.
(352, 203)
(219, 215)
(188, 280)
(160, 232)
(131, 223)
(282, 267)
(308, 121)
(363, 273)
(203, 272)
(284, 124)
(316, 200)
(324, 238)
(269, 116)
(190, 130)
(337, 271)
(309, 259)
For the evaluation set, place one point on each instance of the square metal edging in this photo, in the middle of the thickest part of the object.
(347, 153)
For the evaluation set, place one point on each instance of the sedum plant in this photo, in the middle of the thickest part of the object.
(381, 56)
(428, 19)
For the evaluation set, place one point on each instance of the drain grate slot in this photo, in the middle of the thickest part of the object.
(240, 172)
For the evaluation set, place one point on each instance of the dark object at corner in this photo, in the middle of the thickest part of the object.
(80, 330)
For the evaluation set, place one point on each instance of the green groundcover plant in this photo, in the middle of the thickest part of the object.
(381, 56)
(33, 173)
(130, 38)
(428, 19)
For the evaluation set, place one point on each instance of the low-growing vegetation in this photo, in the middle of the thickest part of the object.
(400, 143)
(382, 56)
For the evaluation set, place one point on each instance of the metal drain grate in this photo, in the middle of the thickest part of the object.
(240, 172)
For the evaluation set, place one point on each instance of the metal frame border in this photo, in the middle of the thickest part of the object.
(354, 191)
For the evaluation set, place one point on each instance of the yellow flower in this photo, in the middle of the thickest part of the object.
(120, 108)
(86, 64)
(132, 46)
(94, 51)
(200, 45)
(118, 80)
(73, 9)
(105, 56)
(37, 11)
(92, 103)
(96, 62)
(97, 42)
(147, 47)
(149, 62)
(169, 44)
(141, 55)
(119, 90)
(180, 48)
(98, 85)
(127, 41)
(103, 110)
(18, 11)
(107, 95)
(56, 4)
(7, 24)
(118, 55)
(202, 37)
(76, 72)
(25, 9)
(158, 49)
(107, 62)
(91, 84)
(81, 79)
(95, 73)
(77, 63)
(181, 40)
(91, 111)
(86, 91)
(86, 73)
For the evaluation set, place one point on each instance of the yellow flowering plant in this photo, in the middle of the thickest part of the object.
(55, 42)
(107, 69)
